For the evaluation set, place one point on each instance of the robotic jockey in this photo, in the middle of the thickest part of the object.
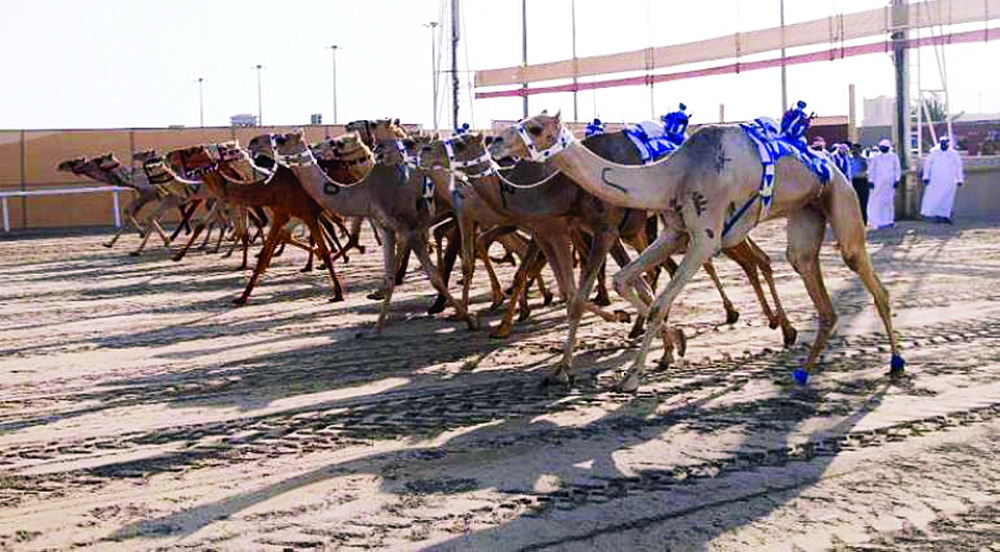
(795, 123)
(675, 125)
(594, 128)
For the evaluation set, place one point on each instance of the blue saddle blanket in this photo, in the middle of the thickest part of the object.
(772, 145)
(651, 141)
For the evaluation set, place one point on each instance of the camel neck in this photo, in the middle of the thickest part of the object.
(345, 200)
(636, 187)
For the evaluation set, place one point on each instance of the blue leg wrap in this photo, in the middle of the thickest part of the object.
(897, 365)
(800, 376)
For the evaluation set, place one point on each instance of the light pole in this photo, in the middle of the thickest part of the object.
(434, 72)
(201, 104)
(260, 115)
(524, 52)
(334, 50)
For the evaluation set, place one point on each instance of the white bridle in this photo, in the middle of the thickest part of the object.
(483, 159)
(563, 141)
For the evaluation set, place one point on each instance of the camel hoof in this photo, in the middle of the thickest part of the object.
(559, 378)
(547, 298)
(773, 323)
(801, 377)
(472, 322)
(638, 328)
(240, 301)
(108, 245)
(438, 307)
(680, 340)
(306, 269)
(494, 306)
(523, 315)
(337, 298)
(602, 300)
(897, 365)
(627, 382)
(622, 316)
(732, 316)
(376, 295)
(790, 337)
(136, 254)
(501, 333)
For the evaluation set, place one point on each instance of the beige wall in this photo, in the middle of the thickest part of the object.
(45, 149)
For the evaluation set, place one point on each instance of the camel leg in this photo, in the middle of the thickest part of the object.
(845, 218)
(149, 218)
(630, 284)
(699, 251)
(264, 259)
(621, 257)
(418, 244)
(194, 235)
(316, 231)
(402, 263)
(185, 218)
(600, 244)
(732, 315)
(309, 256)
(532, 259)
(805, 236)
(751, 258)
(483, 243)
(389, 277)
(447, 260)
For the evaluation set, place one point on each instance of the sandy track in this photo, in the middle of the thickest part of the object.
(139, 410)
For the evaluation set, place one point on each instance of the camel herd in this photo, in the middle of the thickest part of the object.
(544, 195)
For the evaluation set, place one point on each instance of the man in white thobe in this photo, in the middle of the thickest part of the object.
(883, 177)
(943, 175)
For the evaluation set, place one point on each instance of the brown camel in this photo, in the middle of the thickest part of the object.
(710, 195)
(391, 194)
(279, 191)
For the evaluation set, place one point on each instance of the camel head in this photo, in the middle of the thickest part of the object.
(145, 156)
(347, 149)
(233, 160)
(537, 138)
(261, 151)
(379, 130)
(466, 153)
(109, 165)
(292, 149)
(190, 162)
(72, 165)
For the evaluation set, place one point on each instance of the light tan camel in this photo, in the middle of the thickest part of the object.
(391, 194)
(709, 192)
(97, 169)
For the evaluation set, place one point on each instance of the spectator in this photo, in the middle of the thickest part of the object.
(859, 178)
(883, 175)
(943, 175)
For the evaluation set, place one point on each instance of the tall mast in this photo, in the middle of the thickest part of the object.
(454, 63)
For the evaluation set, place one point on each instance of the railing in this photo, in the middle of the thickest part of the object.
(114, 190)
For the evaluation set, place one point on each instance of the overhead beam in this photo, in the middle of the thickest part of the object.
(830, 30)
(981, 35)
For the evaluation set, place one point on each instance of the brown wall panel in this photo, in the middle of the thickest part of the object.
(165, 140)
(44, 150)
(70, 210)
(10, 157)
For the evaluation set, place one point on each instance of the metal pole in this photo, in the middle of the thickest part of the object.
(722, 113)
(524, 53)
(572, 9)
(454, 64)
(117, 209)
(260, 113)
(784, 76)
(201, 104)
(335, 119)
(852, 115)
(6, 215)
(900, 18)
(434, 73)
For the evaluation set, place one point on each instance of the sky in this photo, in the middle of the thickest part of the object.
(135, 63)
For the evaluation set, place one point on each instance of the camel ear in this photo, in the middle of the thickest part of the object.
(558, 116)
(395, 122)
(545, 112)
